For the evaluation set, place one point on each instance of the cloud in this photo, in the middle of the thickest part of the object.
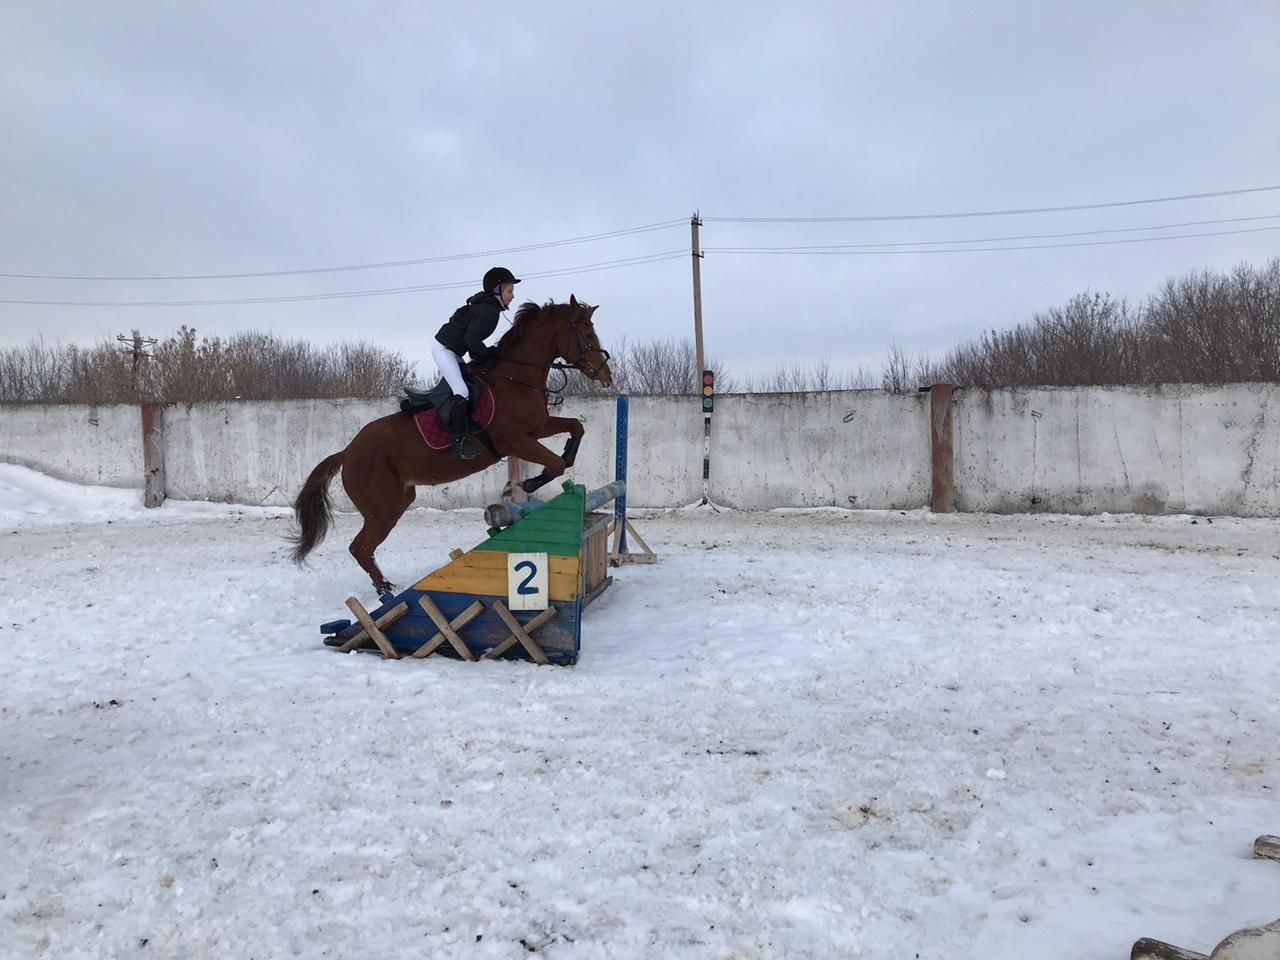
(236, 137)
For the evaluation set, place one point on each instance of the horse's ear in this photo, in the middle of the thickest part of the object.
(573, 301)
(592, 311)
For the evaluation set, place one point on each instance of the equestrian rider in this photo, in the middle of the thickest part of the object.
(464, 333)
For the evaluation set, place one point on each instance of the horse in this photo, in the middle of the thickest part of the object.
(387, 459)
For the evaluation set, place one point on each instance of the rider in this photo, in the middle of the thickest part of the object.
(464, 333)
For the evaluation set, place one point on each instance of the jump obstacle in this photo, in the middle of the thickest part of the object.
(521, 592)
(1251, 943)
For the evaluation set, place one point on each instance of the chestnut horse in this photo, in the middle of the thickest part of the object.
(387, 459)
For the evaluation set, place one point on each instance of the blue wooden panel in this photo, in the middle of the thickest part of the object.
(559, 637)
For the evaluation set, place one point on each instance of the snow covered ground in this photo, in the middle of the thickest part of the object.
(823, 734)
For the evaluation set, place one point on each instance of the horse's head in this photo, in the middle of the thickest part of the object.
(541, 334)
(578, 344)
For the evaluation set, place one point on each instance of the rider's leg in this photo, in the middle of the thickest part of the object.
(447, 361)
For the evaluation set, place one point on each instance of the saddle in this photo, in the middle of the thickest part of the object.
(440, 398)
(430, 411)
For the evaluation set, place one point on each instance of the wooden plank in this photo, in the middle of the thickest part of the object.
(458, 622)
(600, 588)
(362, 636)
(485, 574)
(1251, 943)
(512, 639)
(445, 627)
(372, 628)
(595, 552)
(596, 524)
(462, 577)
(526, 641)
(555, 528)
(559, 638)
(1146, 949)
(566, 545)
(617, 558)
(1267, 848)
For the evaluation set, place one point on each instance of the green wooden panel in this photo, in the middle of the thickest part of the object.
(555, 529)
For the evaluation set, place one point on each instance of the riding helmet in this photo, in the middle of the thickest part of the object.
(497, 275)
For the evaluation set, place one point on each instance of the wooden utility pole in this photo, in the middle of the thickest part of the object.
(154, 485)
(137, 346)
(941, 448)
(694, 224)
(704, 378)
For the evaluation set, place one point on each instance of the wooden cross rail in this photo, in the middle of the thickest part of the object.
(1267, 848)
(448, 628)
(1248, 943)
(616, 558)
(373, 628)
(1148, 949)
(520, 633)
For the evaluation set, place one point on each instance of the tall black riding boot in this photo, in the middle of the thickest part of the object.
(460, 447)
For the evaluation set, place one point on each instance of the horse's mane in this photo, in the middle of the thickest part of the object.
(526, 320)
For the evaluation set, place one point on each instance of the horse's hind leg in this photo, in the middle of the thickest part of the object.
(381, 512)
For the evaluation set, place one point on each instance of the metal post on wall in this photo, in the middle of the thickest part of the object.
(620, 473)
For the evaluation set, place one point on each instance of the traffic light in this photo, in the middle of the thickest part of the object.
(708, 391)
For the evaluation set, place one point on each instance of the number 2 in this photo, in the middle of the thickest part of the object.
(524, 589)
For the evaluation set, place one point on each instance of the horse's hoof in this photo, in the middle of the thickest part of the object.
(386, 588)
(509, 491)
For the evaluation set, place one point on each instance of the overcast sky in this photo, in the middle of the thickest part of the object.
(160, 139)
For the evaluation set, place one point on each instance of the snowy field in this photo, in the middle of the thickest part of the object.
(824, 734)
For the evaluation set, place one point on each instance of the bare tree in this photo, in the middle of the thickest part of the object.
(1205, 327)
(654, 368)
(183, 367)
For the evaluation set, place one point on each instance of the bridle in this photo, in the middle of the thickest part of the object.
(584, 347)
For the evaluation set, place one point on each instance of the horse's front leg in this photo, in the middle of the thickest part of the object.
(528, 448)
(569, 425)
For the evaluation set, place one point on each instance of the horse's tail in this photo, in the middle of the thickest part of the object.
(312, 509)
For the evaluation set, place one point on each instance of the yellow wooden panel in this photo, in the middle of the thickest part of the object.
(485, 572)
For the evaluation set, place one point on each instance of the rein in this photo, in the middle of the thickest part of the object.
(546, 391)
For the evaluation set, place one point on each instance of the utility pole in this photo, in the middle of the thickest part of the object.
(704, 378)
(694, 224)
(153, 484)
(137, 346)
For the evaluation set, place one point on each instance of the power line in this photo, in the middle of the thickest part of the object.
(992, 213)
(832, 251)
(626, 232)
(1024, 236)
(351, 294)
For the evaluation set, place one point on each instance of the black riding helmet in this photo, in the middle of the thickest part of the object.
(495, 276)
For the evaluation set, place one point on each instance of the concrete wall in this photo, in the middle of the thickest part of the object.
(1172, 449)
(99, 445)
(866, 448)
(1182, 448)
(260, 453)
(863, 448)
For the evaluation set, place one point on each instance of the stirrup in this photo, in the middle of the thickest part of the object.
(461, 448)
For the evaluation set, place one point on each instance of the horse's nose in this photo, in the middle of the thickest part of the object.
(606, 375)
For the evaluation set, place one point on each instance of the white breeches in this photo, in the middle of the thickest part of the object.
(447, 361)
